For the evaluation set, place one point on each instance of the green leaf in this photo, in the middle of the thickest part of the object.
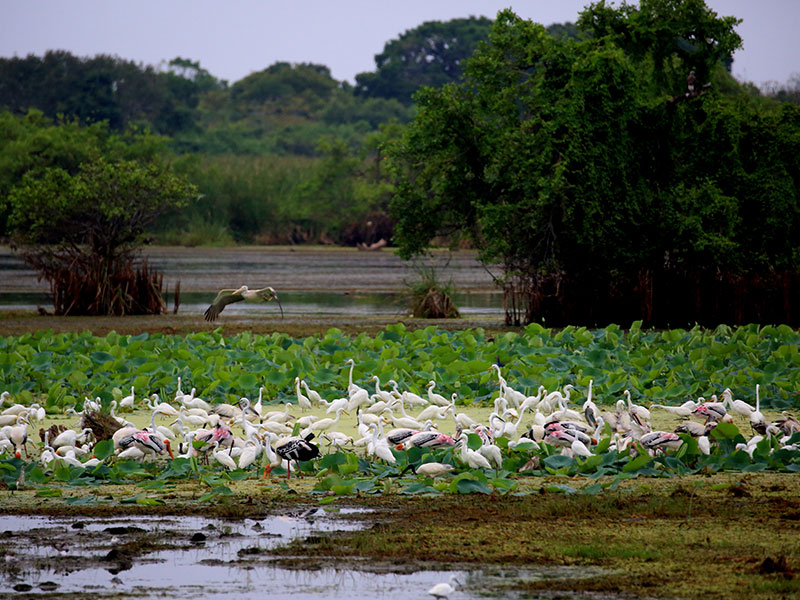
(559, 461)
(247, 381)
(470, 486)
(725, 430)
(637, 463)
(101, 357)
(103, 449)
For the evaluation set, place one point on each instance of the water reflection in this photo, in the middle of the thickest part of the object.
(88, 557)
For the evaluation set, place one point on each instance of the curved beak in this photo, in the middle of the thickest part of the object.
(278, 300)
(169, 449)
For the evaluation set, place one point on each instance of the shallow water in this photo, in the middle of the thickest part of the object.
(80, 556)
(310, 281)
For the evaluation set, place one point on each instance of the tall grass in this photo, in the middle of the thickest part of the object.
(242, 198)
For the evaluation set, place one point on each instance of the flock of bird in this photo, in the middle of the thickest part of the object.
(237, 436)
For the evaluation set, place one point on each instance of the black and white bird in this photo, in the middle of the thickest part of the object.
(296, 448)
(225, 297)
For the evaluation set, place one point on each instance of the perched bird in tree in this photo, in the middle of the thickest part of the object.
(225, 297)
(690, 81)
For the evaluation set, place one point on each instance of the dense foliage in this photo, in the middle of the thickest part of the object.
(586, 169)
(663, 366)
(58, 370)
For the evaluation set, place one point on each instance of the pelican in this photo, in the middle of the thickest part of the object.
(225, 297)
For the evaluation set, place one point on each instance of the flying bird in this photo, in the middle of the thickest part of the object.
(225, 297)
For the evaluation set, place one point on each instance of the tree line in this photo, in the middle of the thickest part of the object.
(574, 156)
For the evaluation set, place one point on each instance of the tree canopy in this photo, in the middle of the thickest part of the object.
(569, 161)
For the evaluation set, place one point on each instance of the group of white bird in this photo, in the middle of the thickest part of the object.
(276, 437)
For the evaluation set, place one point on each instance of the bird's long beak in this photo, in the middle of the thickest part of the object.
(169, 449)
(278, 300)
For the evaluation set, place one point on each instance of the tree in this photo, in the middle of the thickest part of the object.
(428, 55)
(32, 143)
(82, 232)
(563, 161)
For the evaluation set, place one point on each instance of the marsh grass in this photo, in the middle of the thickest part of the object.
(428, 297)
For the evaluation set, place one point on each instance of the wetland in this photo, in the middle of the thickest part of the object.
(709, 534)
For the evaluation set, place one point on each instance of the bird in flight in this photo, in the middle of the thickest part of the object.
(225, 297)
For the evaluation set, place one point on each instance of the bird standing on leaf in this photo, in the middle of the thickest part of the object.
(225, 297)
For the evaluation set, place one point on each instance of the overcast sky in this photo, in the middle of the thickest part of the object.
(233, 38)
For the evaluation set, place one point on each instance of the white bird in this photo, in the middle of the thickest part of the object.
(359, 397)
(252, 450)
(155, 405)
(463, 420)
(434, 412)
(412, 399)
(15, 409)
(434, 469)
(127, 401)
(740, 407)
(352, 388)
(443, 590)
(229, 296)
(303, 401)
(69, 437)
(279, 416)
(684, 410)
(223, 458)
(435, 398)
(380, 447)
(191, 401)
(404, 422)
(383, 395)
(491, 452)
(335, 405)
(313, 395)
(757, 420)
(324, 424)
(337, 438)
(472, 458)
(590, 412)
(19, 436)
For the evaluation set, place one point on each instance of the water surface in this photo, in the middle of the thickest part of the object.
(216, 558)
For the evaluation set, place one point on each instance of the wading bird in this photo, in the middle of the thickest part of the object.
(225, 297)
(443, 590)
(297, 448)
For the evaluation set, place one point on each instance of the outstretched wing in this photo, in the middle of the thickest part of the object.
(224, 297)
(266, 294)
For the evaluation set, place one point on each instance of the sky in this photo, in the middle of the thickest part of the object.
(234, 38)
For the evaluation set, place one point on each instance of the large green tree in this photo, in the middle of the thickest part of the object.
(583, 167)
